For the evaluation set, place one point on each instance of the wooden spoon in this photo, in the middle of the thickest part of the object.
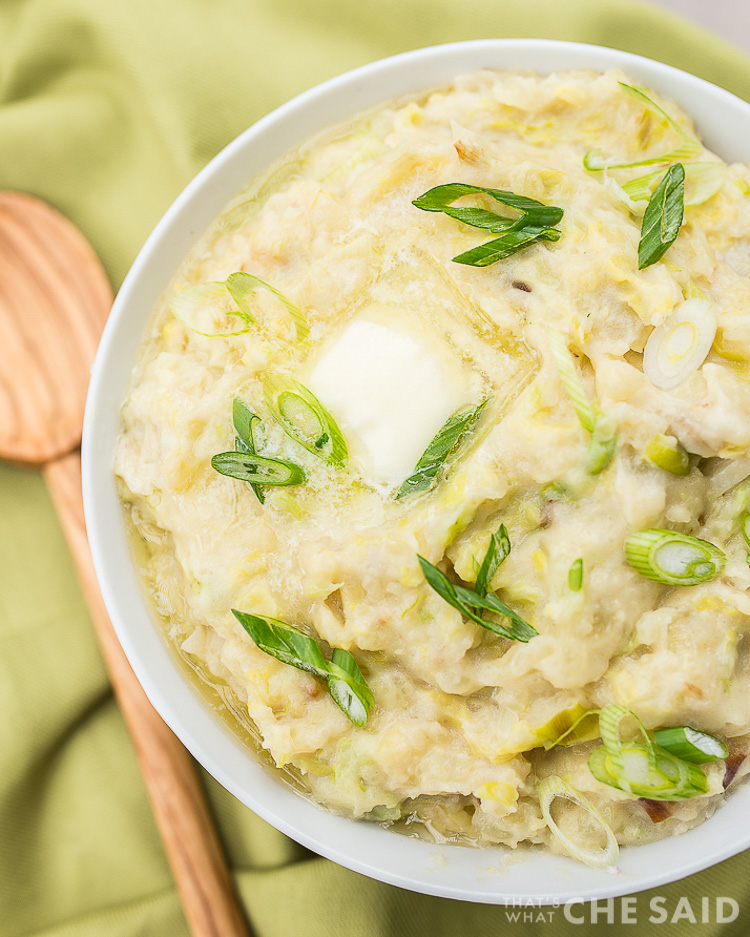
(54, 301)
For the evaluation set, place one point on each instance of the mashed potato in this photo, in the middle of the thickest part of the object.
(371, 315)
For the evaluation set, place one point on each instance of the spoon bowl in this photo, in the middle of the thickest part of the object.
(54, 301)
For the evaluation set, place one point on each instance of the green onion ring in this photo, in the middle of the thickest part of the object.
(552, 787)
(691, 744)
(673, 558)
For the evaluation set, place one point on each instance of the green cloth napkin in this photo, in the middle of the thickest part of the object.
(106, 111)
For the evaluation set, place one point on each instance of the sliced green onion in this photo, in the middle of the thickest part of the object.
(668, 454)
(348, 688)
(642, 188)
(289, 645)
(242, 288)
(575, 576)
(441, 199)
(257, 469)
(678, 347)
(536, 222)
(224, 309)
(663, 217)
(243, 419)
(209, 310)
(673, 558)
(507, 244)
(571, 381)
(603, 439)
(594, 162)
(304, 418)
(603, 444)
(307, 420)
(621, 195)
(686, 150)
(691, 745)
(640, 95)
(657, 776)
(444, 444)
(609, 728)
(552, 787)
(468, 602)
(702, 182)
(496, 554)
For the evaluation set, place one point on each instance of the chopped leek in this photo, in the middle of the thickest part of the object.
(573, 726)
(678, 347)
(745, 528)
(731, 474)
(346, 684)
(668, 454)
(663, 217)
(575, 576)
(603, 438)
(691, 745)
(555, 491)
(257, 469)
(302, 417)
(468, 602)
(648, 772)
(536, 222)
(730, 348)
(552, 787)
(693, 291)
(444, 444)
(673, 558)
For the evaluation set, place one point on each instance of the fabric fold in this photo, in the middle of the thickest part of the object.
(107, 111)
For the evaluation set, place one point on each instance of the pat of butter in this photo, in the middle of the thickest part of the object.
(390, 393)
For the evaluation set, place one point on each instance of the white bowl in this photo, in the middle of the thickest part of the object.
(451, 871)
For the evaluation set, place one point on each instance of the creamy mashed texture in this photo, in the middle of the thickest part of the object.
(396, 337)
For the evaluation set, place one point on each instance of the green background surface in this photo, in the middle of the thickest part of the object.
(107, 110)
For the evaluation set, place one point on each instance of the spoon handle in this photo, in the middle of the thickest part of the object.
(208, 896)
